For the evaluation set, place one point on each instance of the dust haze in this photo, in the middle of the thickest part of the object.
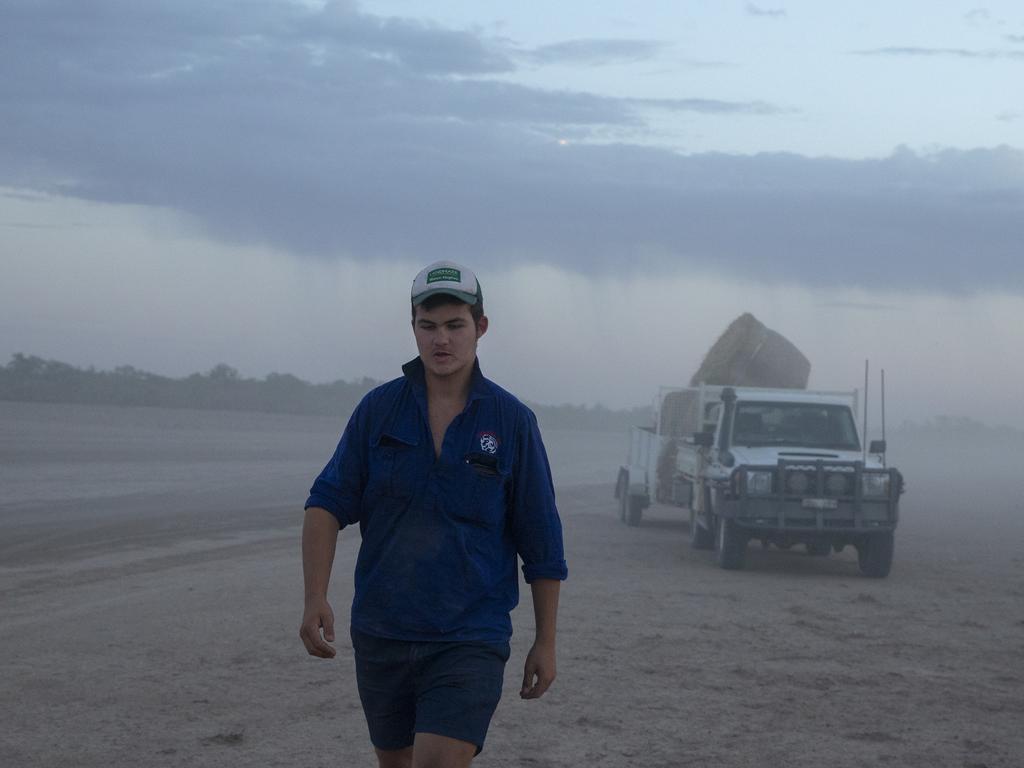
(155, 550)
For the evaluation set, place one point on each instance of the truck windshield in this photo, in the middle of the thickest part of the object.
(804, 425)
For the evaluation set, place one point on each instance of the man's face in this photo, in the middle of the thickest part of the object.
(446, 338)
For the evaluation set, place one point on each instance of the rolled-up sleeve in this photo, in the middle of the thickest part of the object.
(339, 487)
(536, 526)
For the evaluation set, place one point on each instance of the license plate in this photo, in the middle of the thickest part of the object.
(821, 503)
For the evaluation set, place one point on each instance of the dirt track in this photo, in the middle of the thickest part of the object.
(184, 652)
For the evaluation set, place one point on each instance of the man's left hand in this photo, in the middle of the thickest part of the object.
(539, 672)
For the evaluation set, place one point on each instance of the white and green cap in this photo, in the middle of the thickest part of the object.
(446, 277)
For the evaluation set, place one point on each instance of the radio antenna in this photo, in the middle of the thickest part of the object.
(883, 414)
(865, 435)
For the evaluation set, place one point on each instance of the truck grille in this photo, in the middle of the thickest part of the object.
(828, 480)
(812, 496)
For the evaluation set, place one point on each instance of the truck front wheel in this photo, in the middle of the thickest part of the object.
(874, 555)
(731, 545)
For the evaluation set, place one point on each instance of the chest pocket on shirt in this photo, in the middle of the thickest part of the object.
(487, 487)
(393, 468)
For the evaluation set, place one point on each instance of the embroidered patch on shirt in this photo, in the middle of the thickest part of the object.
(489, 442)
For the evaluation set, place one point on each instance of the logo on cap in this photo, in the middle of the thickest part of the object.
(444, 274)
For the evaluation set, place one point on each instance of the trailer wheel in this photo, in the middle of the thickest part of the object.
(874, 555)
(633, 510)
(621, 483)
(700, 536)
(731, 545)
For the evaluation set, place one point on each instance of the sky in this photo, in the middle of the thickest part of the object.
(256, 182)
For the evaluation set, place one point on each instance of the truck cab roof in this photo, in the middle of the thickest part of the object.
(750, 394)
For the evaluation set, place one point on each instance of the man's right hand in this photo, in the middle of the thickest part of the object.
(318, 616)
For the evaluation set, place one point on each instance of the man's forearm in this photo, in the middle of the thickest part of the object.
(319, 540)
(545, 608)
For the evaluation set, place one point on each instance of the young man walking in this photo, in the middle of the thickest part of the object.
(446, 475)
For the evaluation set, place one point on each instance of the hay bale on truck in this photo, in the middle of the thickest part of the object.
(747, 354)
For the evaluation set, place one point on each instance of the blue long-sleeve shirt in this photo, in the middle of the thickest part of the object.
(441, 536)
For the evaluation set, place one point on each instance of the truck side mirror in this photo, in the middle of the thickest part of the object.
(877, 446)
(704, 439)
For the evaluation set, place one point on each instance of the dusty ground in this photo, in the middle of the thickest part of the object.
(160, 630)
(151, 593)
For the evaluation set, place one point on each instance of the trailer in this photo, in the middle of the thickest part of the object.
(649, 473)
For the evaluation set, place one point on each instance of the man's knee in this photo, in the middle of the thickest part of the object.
(434, 751)
(394, 758)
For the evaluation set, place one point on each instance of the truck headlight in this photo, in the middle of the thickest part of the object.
(797, 483)
(759, 483)
(874, 484)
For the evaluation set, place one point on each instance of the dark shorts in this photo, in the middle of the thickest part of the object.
(446, 688)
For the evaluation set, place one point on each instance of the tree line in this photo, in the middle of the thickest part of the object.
(34, 379)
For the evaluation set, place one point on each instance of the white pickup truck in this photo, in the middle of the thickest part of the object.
(783, 466)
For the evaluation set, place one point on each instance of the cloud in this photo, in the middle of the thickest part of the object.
(862, 306)
(1009, 116)
(711, 106)
(1014, 38)
(765, 13)
(706, 63)
(595, 52)
(329, 133)
(960, 53)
